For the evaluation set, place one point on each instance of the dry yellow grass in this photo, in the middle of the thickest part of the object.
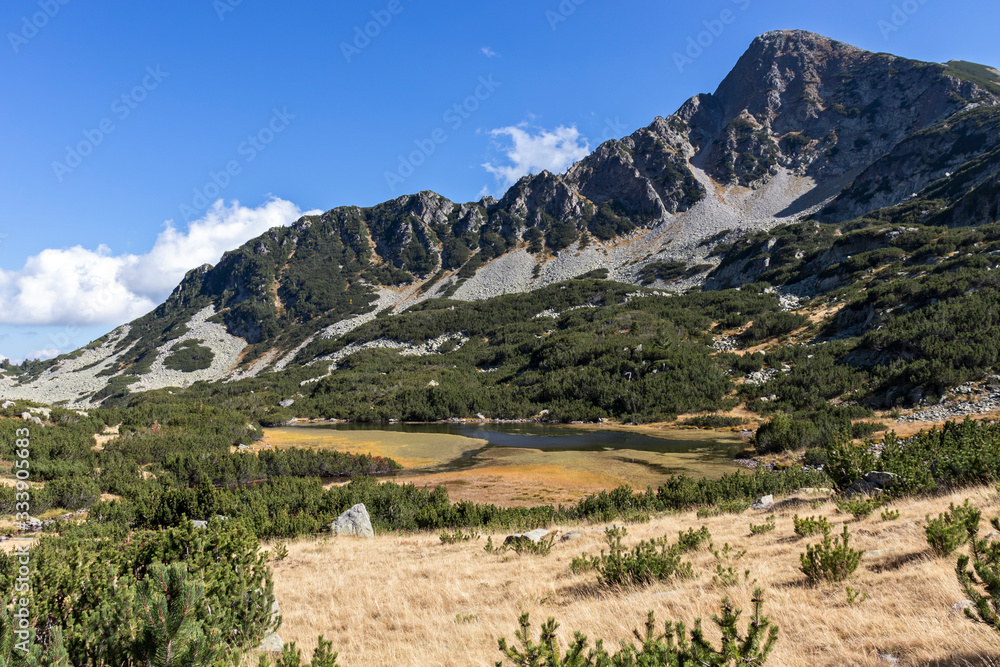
(409, 600)
(410, 450)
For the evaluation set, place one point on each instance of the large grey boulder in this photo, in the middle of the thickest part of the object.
(354, 521)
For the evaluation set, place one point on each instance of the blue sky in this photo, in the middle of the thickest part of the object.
(122, 123)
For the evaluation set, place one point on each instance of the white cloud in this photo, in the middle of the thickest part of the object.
(43, 354)
(553, 150)
(488, 52)
(80, 286)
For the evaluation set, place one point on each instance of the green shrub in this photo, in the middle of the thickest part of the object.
(951, 529)
(459, 536)
(693, 540)
(766, 527)
(671, 648)
(724, 507)
(815, 456)
(646, 562)
(725, 574)
(713, 421)
(72, 493)
(859, 507)
(831, 560)
(981, 582)
(782, 433)
(523, 545)
(189, 356)
(291, 656)
(855, 595)
(890, 514)
(810, 525)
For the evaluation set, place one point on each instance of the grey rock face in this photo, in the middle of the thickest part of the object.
(354, 521)
(763, 503)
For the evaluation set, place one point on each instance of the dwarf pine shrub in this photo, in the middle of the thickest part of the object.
(692, 540)
(670, 648)
(458, 536)
(292, 656)
(831, 560)
(890, 514)
(858, 507)
(951, 529)
(810, 525)
(766, 527)
(646, 562)
(981, 581)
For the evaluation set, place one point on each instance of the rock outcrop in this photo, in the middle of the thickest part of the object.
(354, 521)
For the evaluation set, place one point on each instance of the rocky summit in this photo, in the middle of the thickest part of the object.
(803, 128)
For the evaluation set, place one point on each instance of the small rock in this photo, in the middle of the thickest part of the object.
(287, 403)
(200, 524)
(479, 415)
(272, 644)
(26, 416)
(571, 535)
(7, 404)
(354, 521)
(889, 658)
(433, 383)
(763, 503)
(962, 604)
(242, 447)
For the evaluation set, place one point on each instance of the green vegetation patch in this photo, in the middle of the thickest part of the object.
(189, 356)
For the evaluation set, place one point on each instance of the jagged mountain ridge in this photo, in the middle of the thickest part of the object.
(800, 121)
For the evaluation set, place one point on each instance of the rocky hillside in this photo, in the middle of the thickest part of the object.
(803, 125)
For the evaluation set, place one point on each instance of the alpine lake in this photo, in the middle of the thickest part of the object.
(524, 463)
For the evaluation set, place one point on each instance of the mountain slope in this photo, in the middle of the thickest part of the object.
(802, 125)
